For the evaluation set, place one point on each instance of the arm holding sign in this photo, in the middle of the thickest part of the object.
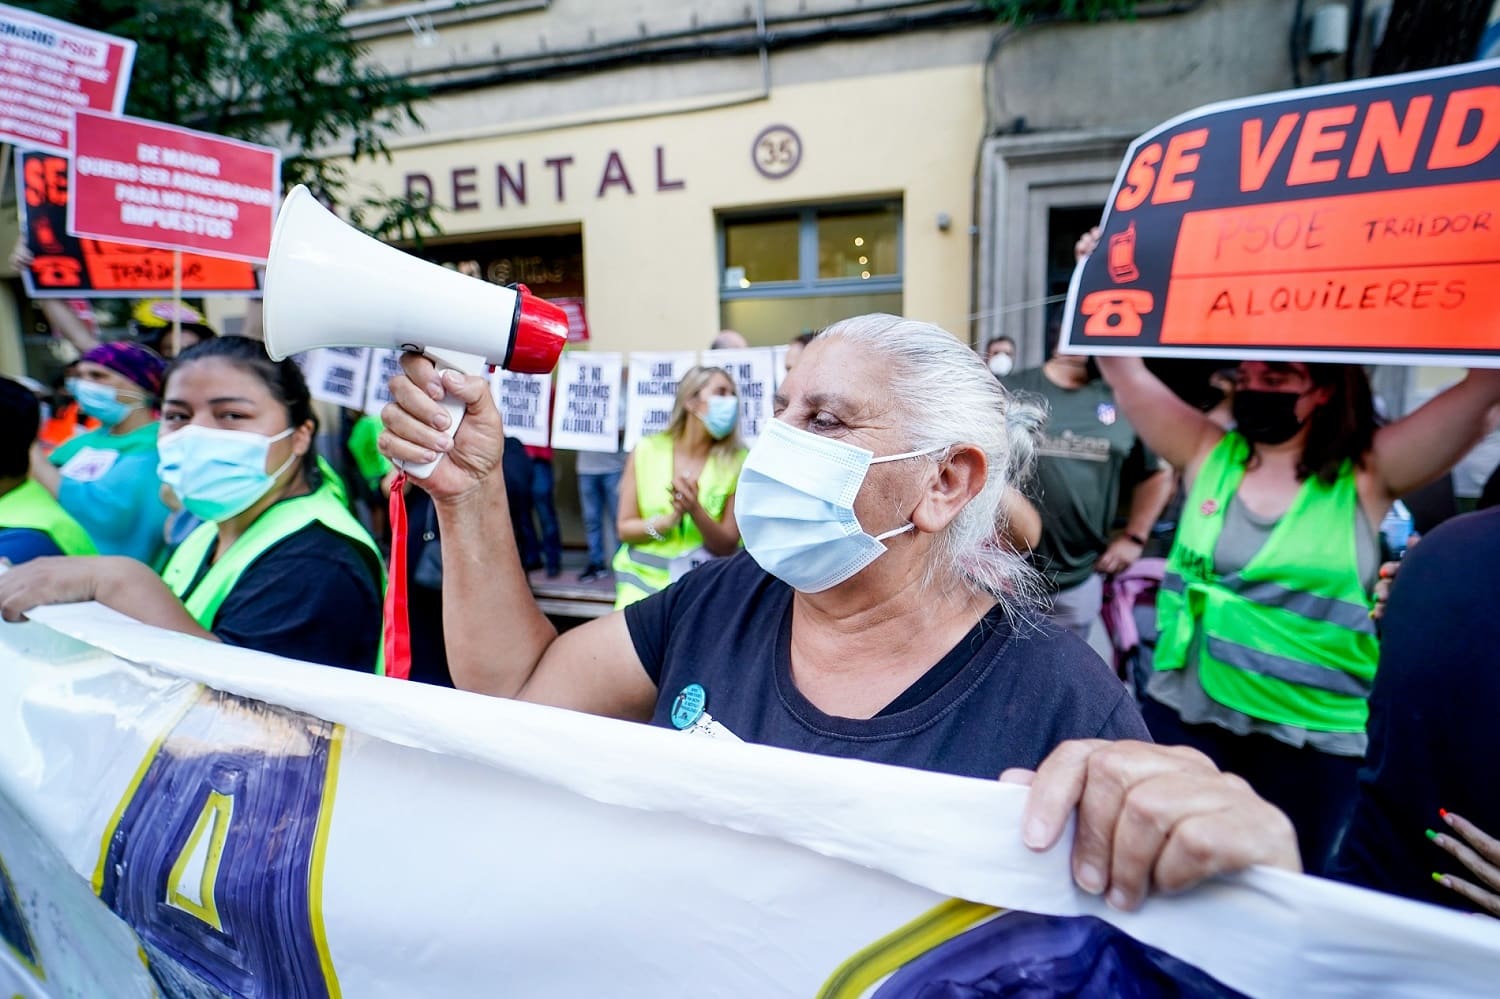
(1424, 444)
(499, 642)
(60, 317)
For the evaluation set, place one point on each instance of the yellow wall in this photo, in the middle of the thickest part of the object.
(651, 258)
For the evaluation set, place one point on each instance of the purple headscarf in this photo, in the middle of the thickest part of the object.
(130, 360)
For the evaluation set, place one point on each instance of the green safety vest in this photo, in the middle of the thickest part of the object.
(643, 569)
(324, 506)
(1288, 638)
(31, 507)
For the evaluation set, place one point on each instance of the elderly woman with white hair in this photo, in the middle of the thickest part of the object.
(875, 613)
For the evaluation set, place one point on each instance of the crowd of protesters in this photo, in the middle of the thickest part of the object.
(909, 566)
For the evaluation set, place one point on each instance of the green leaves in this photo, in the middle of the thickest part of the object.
(284, 73)
(1023, 11)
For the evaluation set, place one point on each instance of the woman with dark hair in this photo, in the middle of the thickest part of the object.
(279, 564)
(1267, 649)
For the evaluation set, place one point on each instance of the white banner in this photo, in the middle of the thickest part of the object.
(384, 365)
(754, 373)
(273, 828)
(652, 390)
(524, 402)
(779, 356)
(587, 417)
(337, 375)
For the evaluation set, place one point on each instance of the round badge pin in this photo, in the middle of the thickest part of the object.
(1209, 507)
(688, 706)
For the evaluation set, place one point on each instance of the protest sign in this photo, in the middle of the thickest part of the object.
(337, 375)
(778, 355)
(1353, 222)
(753, 372)
(384, 365)
(49, 70)
(65, 266)
(173, 188)
(587, 417)
(236, 812)
(578, 323)
(524, 402)
(652, 390)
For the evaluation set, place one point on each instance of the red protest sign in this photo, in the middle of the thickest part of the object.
(160, 185)
(49, 69)
(1356, 222)
(64, 266)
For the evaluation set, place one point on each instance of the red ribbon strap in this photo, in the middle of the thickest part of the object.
(397, 626)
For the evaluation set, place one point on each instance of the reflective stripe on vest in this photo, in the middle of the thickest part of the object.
(31, 507)
(1288, 638)
(642, 569)
(276, 524)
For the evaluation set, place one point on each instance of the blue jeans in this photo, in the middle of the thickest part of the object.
(541, 502)
(599, 496)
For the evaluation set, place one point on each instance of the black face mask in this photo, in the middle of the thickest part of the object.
(1266, 417)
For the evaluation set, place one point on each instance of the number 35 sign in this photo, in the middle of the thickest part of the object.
(776, 152)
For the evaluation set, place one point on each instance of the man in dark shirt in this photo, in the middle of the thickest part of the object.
(1434, 715)
(1089, 454)
(20, 419)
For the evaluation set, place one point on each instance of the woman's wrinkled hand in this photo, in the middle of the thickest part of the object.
(1150, 817)
(416, 424)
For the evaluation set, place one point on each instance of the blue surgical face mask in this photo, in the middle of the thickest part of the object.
(218, 474)
(795, 507)
(722, 413)
(100, 401)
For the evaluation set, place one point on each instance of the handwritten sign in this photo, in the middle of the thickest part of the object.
(65, 266)
(1357, 222)
(338, 375)
(753, 372)
(160, 185)
(652, 390)
(588, 402)
(523, 401)
(384, 365)
(49, 70)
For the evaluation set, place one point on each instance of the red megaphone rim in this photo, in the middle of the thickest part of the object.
(541, 331)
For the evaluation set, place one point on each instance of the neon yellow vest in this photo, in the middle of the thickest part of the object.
(30, 507)
(1288, 638)
(642, 569)
(324, 506)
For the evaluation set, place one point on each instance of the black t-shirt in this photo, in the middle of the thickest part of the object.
(1434, 715)
(1004, 698)
(312, 596)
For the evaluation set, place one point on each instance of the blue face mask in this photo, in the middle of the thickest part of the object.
(218, 474)
(100, 401)
(722, 414)
(795, 507)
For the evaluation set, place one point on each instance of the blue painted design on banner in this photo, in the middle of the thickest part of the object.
(13, 930)
(689, 705)
(209, 862)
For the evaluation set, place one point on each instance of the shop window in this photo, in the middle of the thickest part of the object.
(795, 270)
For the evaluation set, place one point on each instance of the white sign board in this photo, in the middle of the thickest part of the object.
(523, 401)
(337, 375)
(587, 417)
(651, 391)
(384, 365)
(753, 372)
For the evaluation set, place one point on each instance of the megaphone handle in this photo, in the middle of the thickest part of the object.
(446, 360)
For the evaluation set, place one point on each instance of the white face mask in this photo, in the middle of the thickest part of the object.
(795, 507)
(1001, 365)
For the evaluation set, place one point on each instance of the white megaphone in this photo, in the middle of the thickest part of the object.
(330, 285)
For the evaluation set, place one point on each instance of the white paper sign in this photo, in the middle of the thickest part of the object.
(752, 371)
(384, 365)
(779, 353)
(587, 417)
(337, 375)
(652, 390)
(523, 401)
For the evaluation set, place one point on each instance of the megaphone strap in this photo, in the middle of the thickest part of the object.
(397, 624)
